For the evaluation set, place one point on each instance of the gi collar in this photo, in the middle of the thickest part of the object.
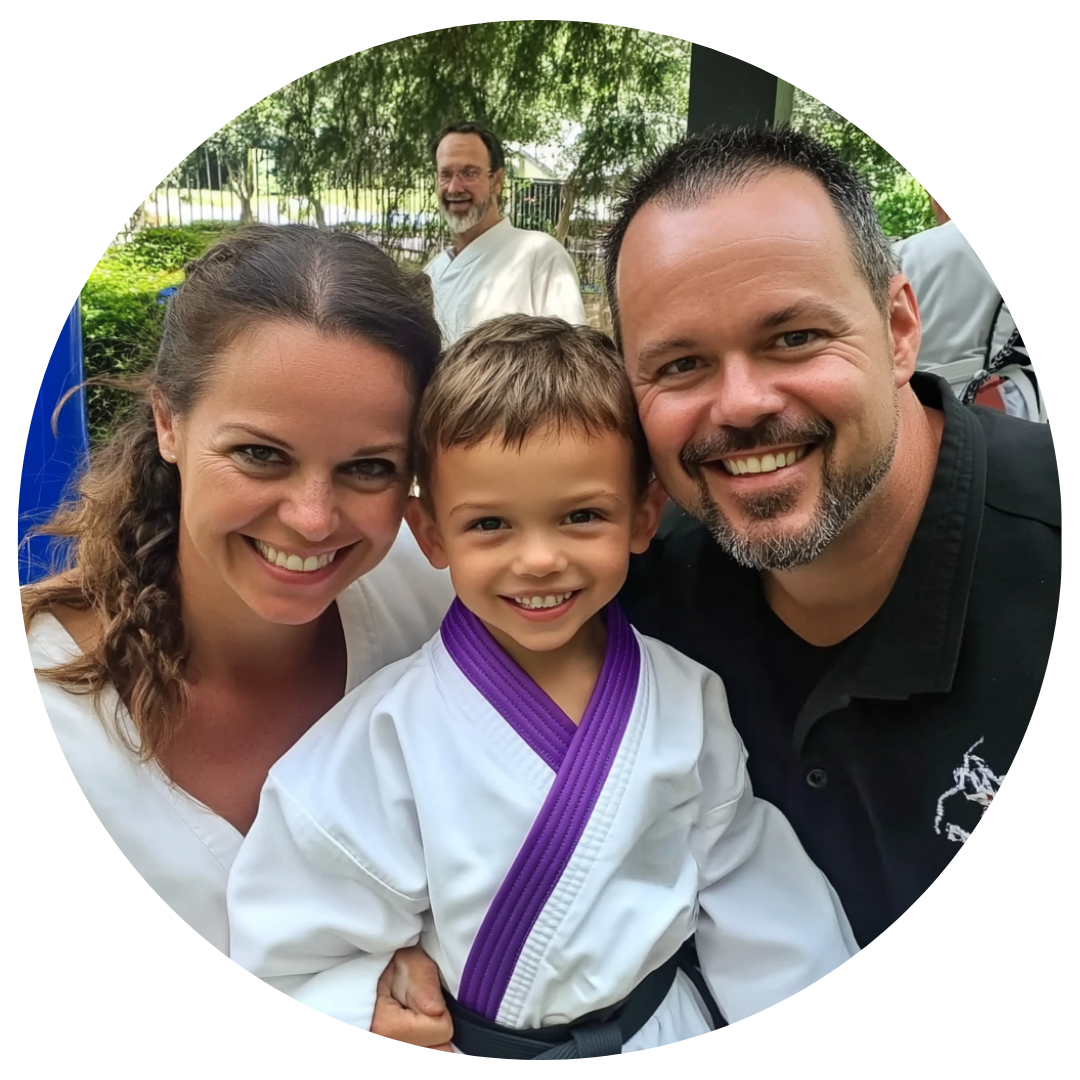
(912, 643)
(488, 239)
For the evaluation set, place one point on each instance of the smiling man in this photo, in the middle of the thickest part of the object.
(872, 567)
(491, 268)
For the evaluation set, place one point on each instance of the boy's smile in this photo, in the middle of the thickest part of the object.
(543, 607)
(537, 539)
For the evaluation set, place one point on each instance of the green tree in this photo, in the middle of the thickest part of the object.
(900, 200)
(365, 122)
(607, 95)
(235, 149)
(625, 92)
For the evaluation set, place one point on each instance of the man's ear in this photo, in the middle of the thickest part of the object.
(647, 516)
(498, 178)
(166, 427)
(905, 329)
(427, 535)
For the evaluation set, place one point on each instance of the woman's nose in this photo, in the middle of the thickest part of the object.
(311, 510)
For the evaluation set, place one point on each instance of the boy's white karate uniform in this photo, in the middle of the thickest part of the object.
(546, 868)
(504, 271)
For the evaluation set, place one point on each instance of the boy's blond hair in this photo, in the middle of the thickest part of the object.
(519, 374)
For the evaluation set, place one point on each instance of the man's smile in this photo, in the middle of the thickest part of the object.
(762, 463)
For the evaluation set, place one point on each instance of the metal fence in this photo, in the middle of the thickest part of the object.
(406, 223)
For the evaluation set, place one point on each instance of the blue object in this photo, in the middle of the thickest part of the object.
(52, 460)
(164, 294)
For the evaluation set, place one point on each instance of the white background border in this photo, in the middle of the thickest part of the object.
(977, 977)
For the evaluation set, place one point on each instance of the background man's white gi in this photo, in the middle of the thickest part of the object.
(504, 271)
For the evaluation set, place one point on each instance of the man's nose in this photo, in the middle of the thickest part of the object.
(745, 393)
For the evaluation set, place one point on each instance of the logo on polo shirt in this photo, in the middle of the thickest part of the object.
(978, 784)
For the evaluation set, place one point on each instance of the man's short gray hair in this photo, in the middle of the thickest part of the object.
(701, 166)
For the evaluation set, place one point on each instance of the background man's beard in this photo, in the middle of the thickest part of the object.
(841, 495)
(460, 223)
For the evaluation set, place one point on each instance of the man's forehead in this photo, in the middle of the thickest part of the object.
(782, 211)
(468, 148)
(784, 202)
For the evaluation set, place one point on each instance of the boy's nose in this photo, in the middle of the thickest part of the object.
(539, 558)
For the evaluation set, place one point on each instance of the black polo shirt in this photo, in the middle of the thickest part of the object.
(885, 750)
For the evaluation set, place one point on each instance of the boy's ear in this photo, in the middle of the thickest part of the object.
(647, 516)
(427, 535)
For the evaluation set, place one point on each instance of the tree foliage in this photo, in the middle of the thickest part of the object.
(605, 95)
(230, 151)
(901, 202)
(625, 93)
(601, 98)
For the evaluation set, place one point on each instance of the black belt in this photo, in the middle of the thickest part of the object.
(598, 1034)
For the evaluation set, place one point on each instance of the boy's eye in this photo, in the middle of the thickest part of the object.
(488, 524)
(581, 517)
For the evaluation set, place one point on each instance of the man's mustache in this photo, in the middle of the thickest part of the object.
(773, 432)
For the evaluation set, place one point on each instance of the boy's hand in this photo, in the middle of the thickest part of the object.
(409, 1005)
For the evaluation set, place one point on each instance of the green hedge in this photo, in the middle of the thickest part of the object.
(122, 317)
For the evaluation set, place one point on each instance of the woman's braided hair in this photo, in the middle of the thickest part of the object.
(121, 525)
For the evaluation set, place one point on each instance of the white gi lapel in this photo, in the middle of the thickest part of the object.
(581, 757)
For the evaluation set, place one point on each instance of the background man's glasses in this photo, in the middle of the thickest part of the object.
(466, 176)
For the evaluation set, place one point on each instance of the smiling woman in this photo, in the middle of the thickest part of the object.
(235, 566)
(323, 487)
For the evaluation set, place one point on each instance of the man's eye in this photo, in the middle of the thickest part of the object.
(796, 339)
(682, 366)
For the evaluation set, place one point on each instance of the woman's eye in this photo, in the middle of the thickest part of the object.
(258, 455)
(681, 366)
(796, 339)
(373, 469)
(581, 517)
(489, 524)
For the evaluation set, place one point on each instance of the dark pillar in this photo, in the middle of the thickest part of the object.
(728, 92)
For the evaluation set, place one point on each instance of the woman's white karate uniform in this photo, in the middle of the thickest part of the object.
(398, 816)
(181, 847)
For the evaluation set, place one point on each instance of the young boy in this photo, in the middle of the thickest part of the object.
(549, 802)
